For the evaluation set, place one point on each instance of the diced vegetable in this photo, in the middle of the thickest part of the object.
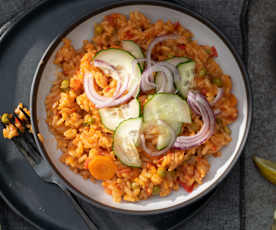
(102, 167)
(161, 172)
(187, 187)
(156, 190)
(98, 29)
(64, 85)
(89, 120)
(217, 81)
(202, 72)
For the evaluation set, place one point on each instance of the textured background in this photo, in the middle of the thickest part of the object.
(260, 196)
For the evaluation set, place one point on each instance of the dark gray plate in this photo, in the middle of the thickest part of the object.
(42, 204)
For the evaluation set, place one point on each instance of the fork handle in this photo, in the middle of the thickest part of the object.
(90, 224)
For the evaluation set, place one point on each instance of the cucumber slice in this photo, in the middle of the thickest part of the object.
(159, 78)
(134, 49)
(187, 75)
(164, 138)
(112, 117)
(167, 107)
(125, 140)
(124, 61)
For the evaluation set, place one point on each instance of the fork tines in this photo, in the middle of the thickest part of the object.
(24, 141)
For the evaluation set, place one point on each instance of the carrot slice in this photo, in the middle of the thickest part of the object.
(102, 167)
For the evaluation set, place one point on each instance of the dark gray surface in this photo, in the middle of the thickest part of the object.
(223, 211)
(260, 194)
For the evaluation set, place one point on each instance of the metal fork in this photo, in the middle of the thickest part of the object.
(26, 145)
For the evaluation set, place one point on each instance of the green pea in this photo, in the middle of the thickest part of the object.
(89, 121)
(202, 72)
(98, 29)
(64, 85)
(217, 81)
(155, 190)
(5, 118)
(134, 185)
(227, 130)
(161, 172)
(170, 55)
(208, 51)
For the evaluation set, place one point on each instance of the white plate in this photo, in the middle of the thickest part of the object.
(205, 33)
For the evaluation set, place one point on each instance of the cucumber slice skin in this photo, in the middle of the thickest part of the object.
(164, 140)
(162, 108)
(134, 49)
(186, 70)
(159, 78)
(116, 56)
(111, 121)
(120, 138)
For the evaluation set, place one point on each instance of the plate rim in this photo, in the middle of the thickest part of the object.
(56, 41)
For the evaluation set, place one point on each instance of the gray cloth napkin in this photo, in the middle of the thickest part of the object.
(223, 212)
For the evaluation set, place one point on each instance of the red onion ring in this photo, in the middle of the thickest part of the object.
(146, 84)
(192, 103)
(200, 103)
(154, 42)
(151, 46)
(158, 153)
(117, 97)
(172, 68)
(218, 96)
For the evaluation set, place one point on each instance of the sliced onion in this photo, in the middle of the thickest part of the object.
(192, 103)
(120, 89)
(218, 96)
(157, 153)
(172, 68)
(117, 98)
(146, 84)
(149, 51)
(201, 104)
(154, 42)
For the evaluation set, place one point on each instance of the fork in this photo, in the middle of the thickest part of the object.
(26, 145)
